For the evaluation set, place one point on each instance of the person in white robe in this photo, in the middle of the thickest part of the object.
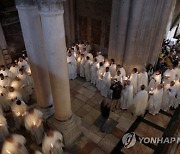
(34, 124)
(106, 63)
(168, 95)
(155, 100)
(118, 77)
(81, 46)
(19, 110)
(134, 80)
(112, 68)
(84, 51)
(83, 61)
(14, 69)
(4, 81)
(155, 81)
(88, 47)
(140, 102)
(99, 57)
(14, 144)
(22, 63)
(94, 68)
(3, 98)
(100, 73)
(106, 83)
(72, 66)
(177, 96)
(90, 56)
(127, 96)
(177, 72)
(5, 71)
(122, 70)
(87, 69)
(12, 95)
(142, 79)
(3, 128)
(169, 75)
(52, 143)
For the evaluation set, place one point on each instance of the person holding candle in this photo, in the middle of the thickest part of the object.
(22, 63)
(87, 69)
(177, 96)
(4, 81)
(112, 68)
(3, 128)
(155, 100)
(83, 61)
(142, 79)
(94, 68)
(122, 70)
(99, 57)
(119, 77)
(100, 73)
(169, 75)
(14, 69)
(155, 80)
(19, 110)
(106, 83)
(14, 144)
(177, 72)
(140, 102)
(72, 66)
(134, 80)
(52, 143)
(34, 124)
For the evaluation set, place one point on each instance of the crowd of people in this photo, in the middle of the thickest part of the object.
(16, 88)
(151, 88)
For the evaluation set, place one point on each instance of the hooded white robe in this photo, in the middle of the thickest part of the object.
(134, 80)
(87, 70)
(23, 64)
(155, 80)
(123, 72)
(106, 83)
(177, 73)
(13, 148)
(100, 73)
(177, 97)
(33, 123)
(3, 128)
(72, 67)
(100, 58)
(90, 56)
(142, 80)
(5, 82)
(112, 69)
(155, 101)
(94, 68)
(127, 97)
(19, 112)
(140, 102)
(168, 76)
(53, 144)
(14, 71)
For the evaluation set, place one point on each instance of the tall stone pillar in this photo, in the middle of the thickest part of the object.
(137, 30)
(3, 44)
(33, 38)
(54, 36)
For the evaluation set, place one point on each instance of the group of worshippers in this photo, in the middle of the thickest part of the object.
(148, 89)
(16, 88)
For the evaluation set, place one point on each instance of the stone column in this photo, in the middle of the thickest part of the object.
(137, 30)
(54, 36)
(33, 38)
(3, 44)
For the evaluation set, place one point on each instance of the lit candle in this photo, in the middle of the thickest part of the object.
(79, 59)
(1, 124)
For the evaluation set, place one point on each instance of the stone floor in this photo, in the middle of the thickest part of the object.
(86, 104)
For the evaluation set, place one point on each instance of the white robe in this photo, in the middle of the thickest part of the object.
(155, 101)
(53, 144)
(100, 58)
(82, 72)
(72, 67)
(14, 71)
(112, 69)
(87, 70)
(140, 102)
(5, 82)
(155, 80)
(168, 76)
(123, 72)
(13, 148)
(33, 123)
(88, 48)
(177, 98)
(127, 97)
(94, 68)
(134, 80)
(168, 97)
(177, 73)
(142, 80)
(3, 128)
(106, 83)
(100, 73)
(19, 112)
(90, 56)
(119, 78)
(23, 64)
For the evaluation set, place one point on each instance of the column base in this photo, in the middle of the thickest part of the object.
(70, 129)
(47, 111)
